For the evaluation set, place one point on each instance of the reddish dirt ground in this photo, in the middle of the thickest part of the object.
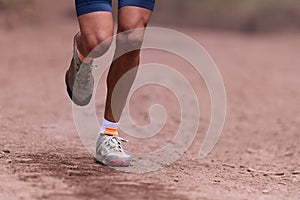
(257, 156)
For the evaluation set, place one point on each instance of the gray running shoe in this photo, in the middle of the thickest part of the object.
(110, 152)
(79, 79)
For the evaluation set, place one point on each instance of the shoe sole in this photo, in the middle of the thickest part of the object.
(73, 98)
(114, 162)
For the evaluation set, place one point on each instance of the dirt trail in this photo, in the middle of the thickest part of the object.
(257, 156)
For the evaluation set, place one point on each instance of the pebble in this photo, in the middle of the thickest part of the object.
(6, 151)
(296, 172)
(279, 173)
(265, 191)
(228, 165)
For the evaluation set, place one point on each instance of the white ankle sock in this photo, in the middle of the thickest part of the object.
(107, 124)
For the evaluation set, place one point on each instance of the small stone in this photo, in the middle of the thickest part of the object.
(176, 180)
(8, 161)
(279, 173)
(251, 170)
(265, 191)
(6, 151)
(228, 165)
(296, 172)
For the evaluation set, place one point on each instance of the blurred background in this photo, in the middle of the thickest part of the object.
(256, 46)
(234, 15)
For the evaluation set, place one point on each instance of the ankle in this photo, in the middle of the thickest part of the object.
(82, 58)
(79, 50)
(109, 128)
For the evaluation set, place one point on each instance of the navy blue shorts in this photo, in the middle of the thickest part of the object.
(88, 6)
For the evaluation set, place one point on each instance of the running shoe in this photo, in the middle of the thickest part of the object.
(79, 79)
(110, 152)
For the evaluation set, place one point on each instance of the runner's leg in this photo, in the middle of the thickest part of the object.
(129, 18)
(96, 26)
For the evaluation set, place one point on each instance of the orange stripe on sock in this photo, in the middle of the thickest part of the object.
(111, 131)
(84, 59)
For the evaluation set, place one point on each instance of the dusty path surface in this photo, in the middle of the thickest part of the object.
(257, 156)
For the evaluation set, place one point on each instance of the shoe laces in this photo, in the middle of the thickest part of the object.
(114, 143)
